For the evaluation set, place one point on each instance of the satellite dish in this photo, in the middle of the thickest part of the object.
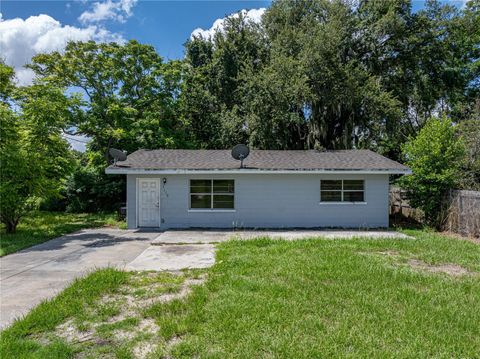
(117, 155)
(240, 152)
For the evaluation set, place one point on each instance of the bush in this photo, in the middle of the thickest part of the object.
(89, 189)
(469, 131)
(435, 157)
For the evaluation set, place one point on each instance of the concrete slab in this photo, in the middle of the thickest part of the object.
(215, 236)
(40, 272)
(174, 257)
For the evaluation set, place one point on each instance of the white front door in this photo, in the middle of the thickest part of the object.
(149, 202)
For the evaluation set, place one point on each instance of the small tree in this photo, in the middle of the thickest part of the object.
(435, 157)
(34, 158)
(19, 184)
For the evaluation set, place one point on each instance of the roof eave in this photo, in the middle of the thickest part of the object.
(140, 171)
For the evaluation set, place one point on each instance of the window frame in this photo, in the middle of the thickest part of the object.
(211, 194)
(342, 191)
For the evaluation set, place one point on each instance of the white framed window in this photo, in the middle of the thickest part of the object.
(212, 194)
(349, 191)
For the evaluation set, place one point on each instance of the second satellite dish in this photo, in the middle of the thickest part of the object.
(240, 152)
(117, 155)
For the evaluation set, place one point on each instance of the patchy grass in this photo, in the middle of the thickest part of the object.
(41, 226)
(270, 298)
(101, 315)
(34, 336)
(321, 298)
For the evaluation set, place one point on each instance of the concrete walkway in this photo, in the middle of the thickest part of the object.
(215, 236)
(40, 272)
(174, 257)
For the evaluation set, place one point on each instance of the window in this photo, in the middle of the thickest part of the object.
(342, 191)
(212, 194)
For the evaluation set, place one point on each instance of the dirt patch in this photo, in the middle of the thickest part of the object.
(146, 326)
(459, 237)
(70, 333)
(128, 325)
(450, 269)
(386, 253)
(397, 259)
(134, 303)
(144, 349)
(389, 253)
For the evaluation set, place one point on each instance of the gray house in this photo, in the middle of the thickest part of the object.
(274, 189)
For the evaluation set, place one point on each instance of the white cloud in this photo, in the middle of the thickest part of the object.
(253, 15)
(108, 10)
(21, 39)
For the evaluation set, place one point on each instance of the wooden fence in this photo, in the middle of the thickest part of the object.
(400, 209)
(461, 208)
(463, 213)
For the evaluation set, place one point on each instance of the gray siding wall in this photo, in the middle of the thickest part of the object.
(268, 201)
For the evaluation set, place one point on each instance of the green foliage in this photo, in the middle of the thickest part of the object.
(129, 94)
(435, 157)
(324, 74)
(35, 158)
(469, 132)
(89, 189)
(6, 85)
(45, 112)
(19, 186)
(128, 101)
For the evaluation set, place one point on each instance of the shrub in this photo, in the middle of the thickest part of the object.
(89, 189)
(435, 156)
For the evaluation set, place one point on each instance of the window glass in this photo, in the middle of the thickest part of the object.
(223, 186)
(353, 185)
(331, 185)
(223, 201)
(331, 196)
(353, 196)
(202, 197)
(342, 191)
(200, 186)
(200, 201)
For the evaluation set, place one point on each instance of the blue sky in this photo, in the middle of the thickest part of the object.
(164, 24)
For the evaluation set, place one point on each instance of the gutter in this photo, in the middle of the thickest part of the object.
(143, 171)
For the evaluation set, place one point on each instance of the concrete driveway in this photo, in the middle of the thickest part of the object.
(40, 272)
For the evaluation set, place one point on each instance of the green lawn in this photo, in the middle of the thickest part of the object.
(274, 299)
(41, 226)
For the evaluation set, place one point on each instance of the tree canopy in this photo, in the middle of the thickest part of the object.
(327, 74)
(312, 74)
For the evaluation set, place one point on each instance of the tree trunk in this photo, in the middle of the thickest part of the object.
(11, 225)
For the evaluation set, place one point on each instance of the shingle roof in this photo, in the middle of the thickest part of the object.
(260, 160)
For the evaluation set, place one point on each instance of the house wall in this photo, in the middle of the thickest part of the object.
(268, 201)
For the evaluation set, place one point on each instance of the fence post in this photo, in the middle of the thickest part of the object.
(459, 212)
(449, 209)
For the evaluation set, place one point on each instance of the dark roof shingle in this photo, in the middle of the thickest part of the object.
(260, 160)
